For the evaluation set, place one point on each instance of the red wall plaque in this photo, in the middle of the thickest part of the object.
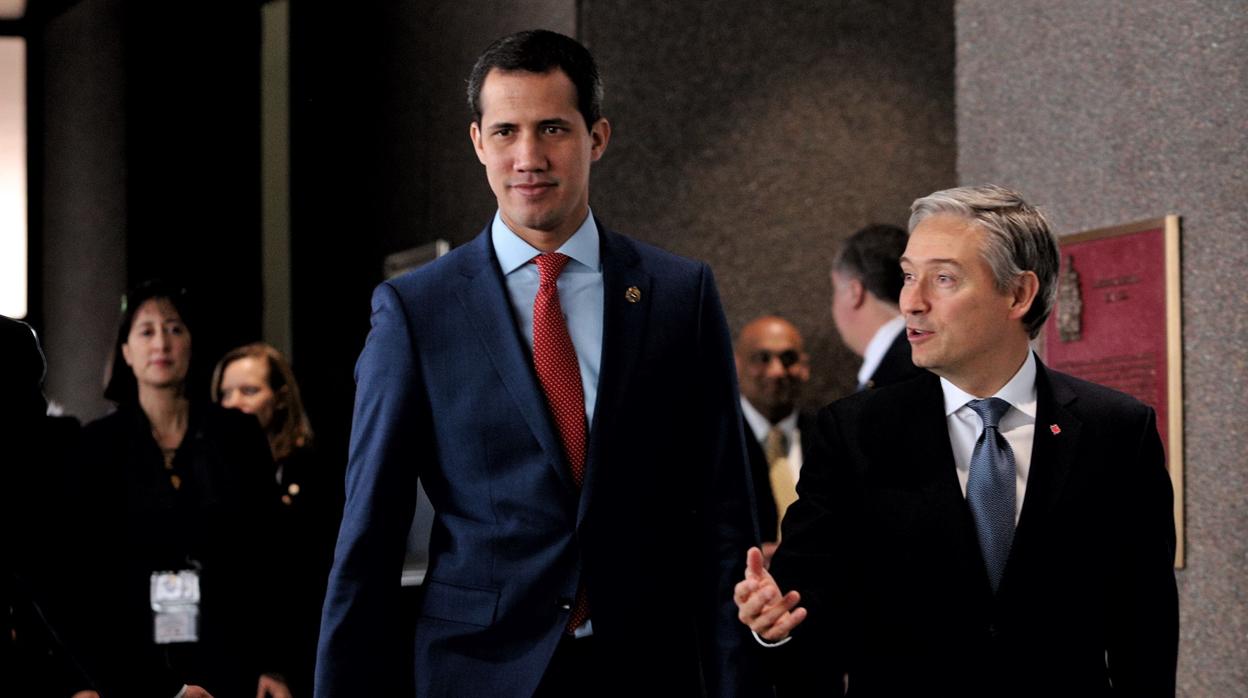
(1118, 323)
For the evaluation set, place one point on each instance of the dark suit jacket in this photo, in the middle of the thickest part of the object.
(219, 519)
(764, 502)
(896, 366)
(882, 547)
(446, 391)
(21, 412)
(310, 496)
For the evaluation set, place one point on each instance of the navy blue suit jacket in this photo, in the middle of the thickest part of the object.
(446, 392)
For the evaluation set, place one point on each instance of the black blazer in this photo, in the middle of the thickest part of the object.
(882, 547)
(309, 497)
(25, 495)
(764, 502)
(219, 519)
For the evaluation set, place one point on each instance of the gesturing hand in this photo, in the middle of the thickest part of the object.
(761, 606)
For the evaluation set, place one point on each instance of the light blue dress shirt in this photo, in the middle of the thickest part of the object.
(580, 294)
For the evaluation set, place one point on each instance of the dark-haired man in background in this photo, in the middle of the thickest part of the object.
(866, 284)
(993, 528)
(566, 395)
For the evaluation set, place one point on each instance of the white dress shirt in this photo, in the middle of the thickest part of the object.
(1018, 425)
(873, 356)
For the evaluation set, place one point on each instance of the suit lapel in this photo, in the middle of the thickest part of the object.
(626, 307)
(485, 300)
(928, 448)
(1053, 452)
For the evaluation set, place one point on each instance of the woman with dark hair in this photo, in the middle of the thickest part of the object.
(257, 379)
(180, 488)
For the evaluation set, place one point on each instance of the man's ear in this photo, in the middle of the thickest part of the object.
(1023, 294)
(599, 135)
(474, 133)
(857, 293)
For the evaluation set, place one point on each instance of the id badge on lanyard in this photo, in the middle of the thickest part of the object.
(175, 606)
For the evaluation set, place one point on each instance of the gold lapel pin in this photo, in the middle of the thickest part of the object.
(633, 294)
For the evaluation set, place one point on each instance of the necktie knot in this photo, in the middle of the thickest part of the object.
(777, 444)
(991, 410)
(550, 265)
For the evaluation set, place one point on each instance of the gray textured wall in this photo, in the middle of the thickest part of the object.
(755, 136)
(1110, 112)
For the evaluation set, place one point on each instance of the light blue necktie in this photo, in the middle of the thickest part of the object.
(990, 488)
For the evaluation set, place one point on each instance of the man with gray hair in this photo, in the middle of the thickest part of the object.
(995, 528)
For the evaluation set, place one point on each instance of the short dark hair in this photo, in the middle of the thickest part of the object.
(1018, 239)
(872, 256)
(541, 51)
(121, 387)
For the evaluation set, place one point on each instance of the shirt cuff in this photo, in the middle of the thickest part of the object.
(182, 692)
(760, 640)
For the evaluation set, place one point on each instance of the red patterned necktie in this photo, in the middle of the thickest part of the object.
(554, 357)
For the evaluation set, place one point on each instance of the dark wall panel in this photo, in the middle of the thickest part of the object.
(84, 198)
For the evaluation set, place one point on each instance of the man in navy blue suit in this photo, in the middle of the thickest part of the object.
(567, 397)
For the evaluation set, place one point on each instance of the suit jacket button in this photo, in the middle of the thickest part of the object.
(992, 631)
(565, 604)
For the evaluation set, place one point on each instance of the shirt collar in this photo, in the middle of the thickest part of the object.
(883, 338)
(513, 252)
(760, 426)
(1020, 391)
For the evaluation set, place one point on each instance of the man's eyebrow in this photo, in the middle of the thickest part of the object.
(929, 262)
(553, 121)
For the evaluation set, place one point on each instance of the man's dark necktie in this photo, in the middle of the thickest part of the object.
(554, 358)
(990, 488)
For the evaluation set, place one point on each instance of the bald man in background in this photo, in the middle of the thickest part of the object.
(772, 370)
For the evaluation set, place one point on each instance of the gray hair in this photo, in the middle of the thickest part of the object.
(1018, 240)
